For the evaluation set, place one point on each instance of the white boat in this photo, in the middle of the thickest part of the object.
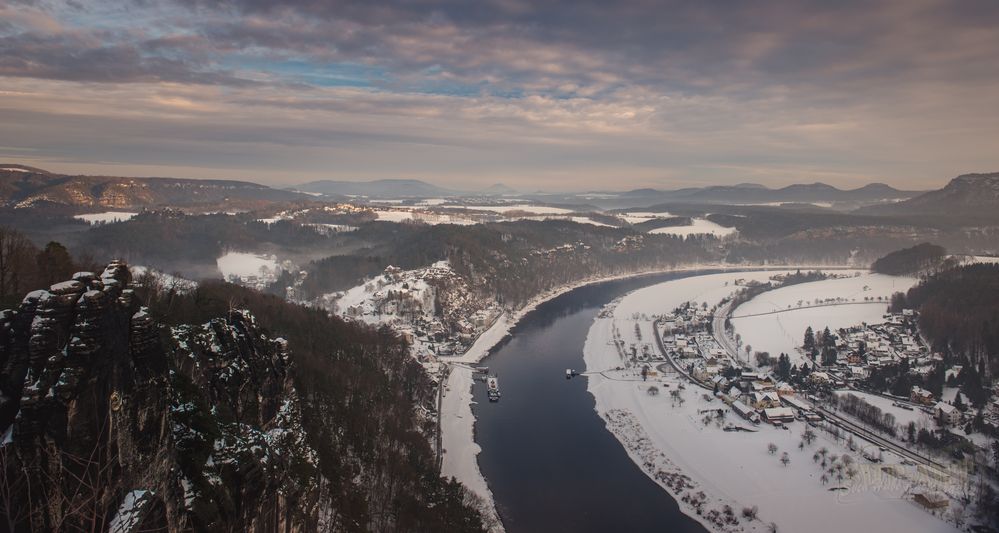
(492, 388)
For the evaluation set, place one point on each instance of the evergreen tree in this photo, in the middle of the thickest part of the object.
(809, 344)
(829, 356)
(54, 264)
(935, 381)
(828, 340)
(784, 367)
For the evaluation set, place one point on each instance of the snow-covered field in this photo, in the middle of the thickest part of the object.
(106, 217)
(966, 259)
(700, 226)
(526, 208)
(393, 215)
(637, 217)
(12, 169)
(244, 265)
(457, 420)
(902, 416)
(586, 220)
(359, 302)
(407, 215)
(784, 332)
(670, 440)
(163, 280)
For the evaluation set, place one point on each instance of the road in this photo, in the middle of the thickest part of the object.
(662, 349)
(718, 330)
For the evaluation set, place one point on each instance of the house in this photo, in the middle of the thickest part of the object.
(947, 414)
(777, 415)
(858, 372)
(784, 389)
(796, 404)
(819, 378)
(765, 400)
(744, 411)
(721, 382)
(921, 396)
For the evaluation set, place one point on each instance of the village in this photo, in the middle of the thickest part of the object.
(840, 387)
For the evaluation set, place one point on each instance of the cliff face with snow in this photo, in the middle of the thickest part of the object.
(110, 420)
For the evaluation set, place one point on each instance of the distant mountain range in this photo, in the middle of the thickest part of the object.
(24, 186)
(387, 188)
(396, 188)
(745, 193)
(752, 193)
(968, 194)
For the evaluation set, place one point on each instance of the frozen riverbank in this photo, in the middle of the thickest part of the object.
(457, 420)
(860, 298)
(680, 441)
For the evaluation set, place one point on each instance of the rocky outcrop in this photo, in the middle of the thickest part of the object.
(112, 421)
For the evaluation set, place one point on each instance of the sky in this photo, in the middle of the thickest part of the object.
(553, 95)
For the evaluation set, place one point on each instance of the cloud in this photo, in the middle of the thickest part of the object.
(545, 92)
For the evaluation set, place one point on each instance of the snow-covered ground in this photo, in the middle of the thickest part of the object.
(902, 416)
(526, 208)
(458, 422)
(586, 220)
(363, 301)
(394, 215)
(403, 214)
(700, 226)
(637, 217)
(106, 217)
(245, 265)
(12, 169)
(163, 280)
(670, 440)
(784, 332)
(966, 259)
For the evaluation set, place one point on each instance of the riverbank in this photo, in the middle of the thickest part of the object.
(460, 451)
(678, 436)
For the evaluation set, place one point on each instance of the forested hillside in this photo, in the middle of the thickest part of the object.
(512, 261)
(218, 409)
(917, 259)
(959, 312)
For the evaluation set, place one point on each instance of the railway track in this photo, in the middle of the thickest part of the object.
(876, 439)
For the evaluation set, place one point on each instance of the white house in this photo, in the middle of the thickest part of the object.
(947, 414)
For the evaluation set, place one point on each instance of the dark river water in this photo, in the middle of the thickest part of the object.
(549, 459)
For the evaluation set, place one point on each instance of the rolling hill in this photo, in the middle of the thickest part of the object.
(23, 186)
(968, 194)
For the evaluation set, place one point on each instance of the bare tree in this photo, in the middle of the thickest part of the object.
(17, 256)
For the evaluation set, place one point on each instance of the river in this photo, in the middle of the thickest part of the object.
(548, 458)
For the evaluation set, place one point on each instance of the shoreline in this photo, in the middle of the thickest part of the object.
(705, 469)
(460, 451)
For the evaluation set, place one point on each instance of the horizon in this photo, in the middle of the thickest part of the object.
(484, 188)
(552, 97)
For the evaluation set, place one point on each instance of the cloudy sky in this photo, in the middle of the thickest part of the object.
(545, 94)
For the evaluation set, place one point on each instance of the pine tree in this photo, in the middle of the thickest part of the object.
(828, 339)
(809, 344)
(784, 367)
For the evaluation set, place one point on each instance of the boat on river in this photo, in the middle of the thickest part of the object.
(492, 388)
